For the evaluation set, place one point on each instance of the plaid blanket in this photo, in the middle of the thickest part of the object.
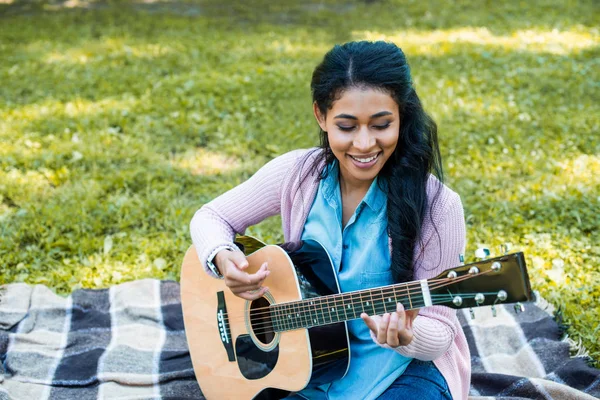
(128, 342)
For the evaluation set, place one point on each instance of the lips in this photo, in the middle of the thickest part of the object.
(364, 162)
(364, 159)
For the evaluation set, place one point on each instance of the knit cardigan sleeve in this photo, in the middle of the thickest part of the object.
(435, 327)
(215, 224)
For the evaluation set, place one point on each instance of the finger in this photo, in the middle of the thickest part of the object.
(382, 328)
(392, 331)
(405, 336)
(236, 277)
(253, 295)
(410, 318)
(238, 259)
(369, 322)
(401, 316)
(246, 288)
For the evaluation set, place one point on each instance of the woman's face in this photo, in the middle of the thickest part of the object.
(363, 127)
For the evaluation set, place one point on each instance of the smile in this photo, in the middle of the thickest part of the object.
(365, 160)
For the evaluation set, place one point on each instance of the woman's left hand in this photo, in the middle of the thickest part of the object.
(393, 329)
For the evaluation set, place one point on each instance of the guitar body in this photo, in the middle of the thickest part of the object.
(235, 351)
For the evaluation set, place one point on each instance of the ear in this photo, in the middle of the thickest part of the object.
(319, 117)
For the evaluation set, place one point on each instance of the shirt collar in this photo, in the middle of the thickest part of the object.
(374, 199)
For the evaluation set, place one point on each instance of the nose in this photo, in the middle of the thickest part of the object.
(363, 140)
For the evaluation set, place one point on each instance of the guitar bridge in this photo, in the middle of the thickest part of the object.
(223, 323)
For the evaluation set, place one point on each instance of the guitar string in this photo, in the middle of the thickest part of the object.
(335, 298)
(272, 318)
(267, 329)
(271, 310)
(376, 309)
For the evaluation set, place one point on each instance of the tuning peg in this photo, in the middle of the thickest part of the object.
(461, 258)
(504, 248)
(494, 311)
(519, 308)
(482, 253)
(472, 313)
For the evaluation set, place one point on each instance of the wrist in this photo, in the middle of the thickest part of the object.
(212, 261)
(219, 259)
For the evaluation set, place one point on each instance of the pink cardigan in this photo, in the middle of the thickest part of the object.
(286, 185)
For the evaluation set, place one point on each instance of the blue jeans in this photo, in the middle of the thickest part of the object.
(420, 380)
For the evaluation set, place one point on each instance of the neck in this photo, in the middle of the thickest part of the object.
(348, 306)
(350, 187)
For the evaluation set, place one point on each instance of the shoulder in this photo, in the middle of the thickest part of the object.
(296, 163)
(294, 169)
(296, 158)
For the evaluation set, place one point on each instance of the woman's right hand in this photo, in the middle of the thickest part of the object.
(231, 264)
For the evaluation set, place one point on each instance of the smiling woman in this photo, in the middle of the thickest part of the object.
(362, 128)
(373, 175)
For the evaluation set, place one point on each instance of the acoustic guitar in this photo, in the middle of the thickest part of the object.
(296, 333)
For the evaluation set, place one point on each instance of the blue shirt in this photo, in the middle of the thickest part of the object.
(360, 253)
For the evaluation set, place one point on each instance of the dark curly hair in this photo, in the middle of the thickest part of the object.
(383, 66)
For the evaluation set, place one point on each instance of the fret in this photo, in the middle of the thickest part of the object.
(325, 310)
(281, 317)
(328, 306)
(272, 312)
(334, 308)
(339, 308)
(349, 307)
(284, 321)
(378, 301)
(288, 317)
(300, 315)
(363, 303)
(320, 311)
(372, 302)
(293, 315)
(304, 314)
(408, 295)
(343, 307)
(280, 321)
(389, 300)
(314, 321)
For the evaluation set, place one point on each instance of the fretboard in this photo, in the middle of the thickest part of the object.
(330, 309)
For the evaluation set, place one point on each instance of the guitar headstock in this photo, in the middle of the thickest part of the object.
(488, 282)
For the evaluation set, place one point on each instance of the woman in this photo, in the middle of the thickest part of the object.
(368, 196)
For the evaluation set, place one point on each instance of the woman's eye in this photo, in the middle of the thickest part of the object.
(345, 128)
(382, 127)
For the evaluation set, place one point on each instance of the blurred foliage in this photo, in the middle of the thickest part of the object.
(118, 120)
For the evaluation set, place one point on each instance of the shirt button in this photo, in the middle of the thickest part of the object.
(345, 247)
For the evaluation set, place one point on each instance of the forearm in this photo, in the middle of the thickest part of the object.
(209, 232)
(217, 222)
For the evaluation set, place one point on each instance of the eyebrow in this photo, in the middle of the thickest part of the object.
(377, 115)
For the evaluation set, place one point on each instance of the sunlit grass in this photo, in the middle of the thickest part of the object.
(101, 51)
(441, 42)
(118, 121)
(203, 162)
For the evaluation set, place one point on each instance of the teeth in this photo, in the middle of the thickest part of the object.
(365, 160)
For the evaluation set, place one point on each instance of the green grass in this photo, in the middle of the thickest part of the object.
(119, 120)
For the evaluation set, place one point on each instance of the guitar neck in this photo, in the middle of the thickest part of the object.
(326, 310)
(492, 281)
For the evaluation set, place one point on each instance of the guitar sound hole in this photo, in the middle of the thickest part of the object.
(260, 320)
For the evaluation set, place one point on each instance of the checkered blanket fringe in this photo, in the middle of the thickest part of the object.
(128, 342)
